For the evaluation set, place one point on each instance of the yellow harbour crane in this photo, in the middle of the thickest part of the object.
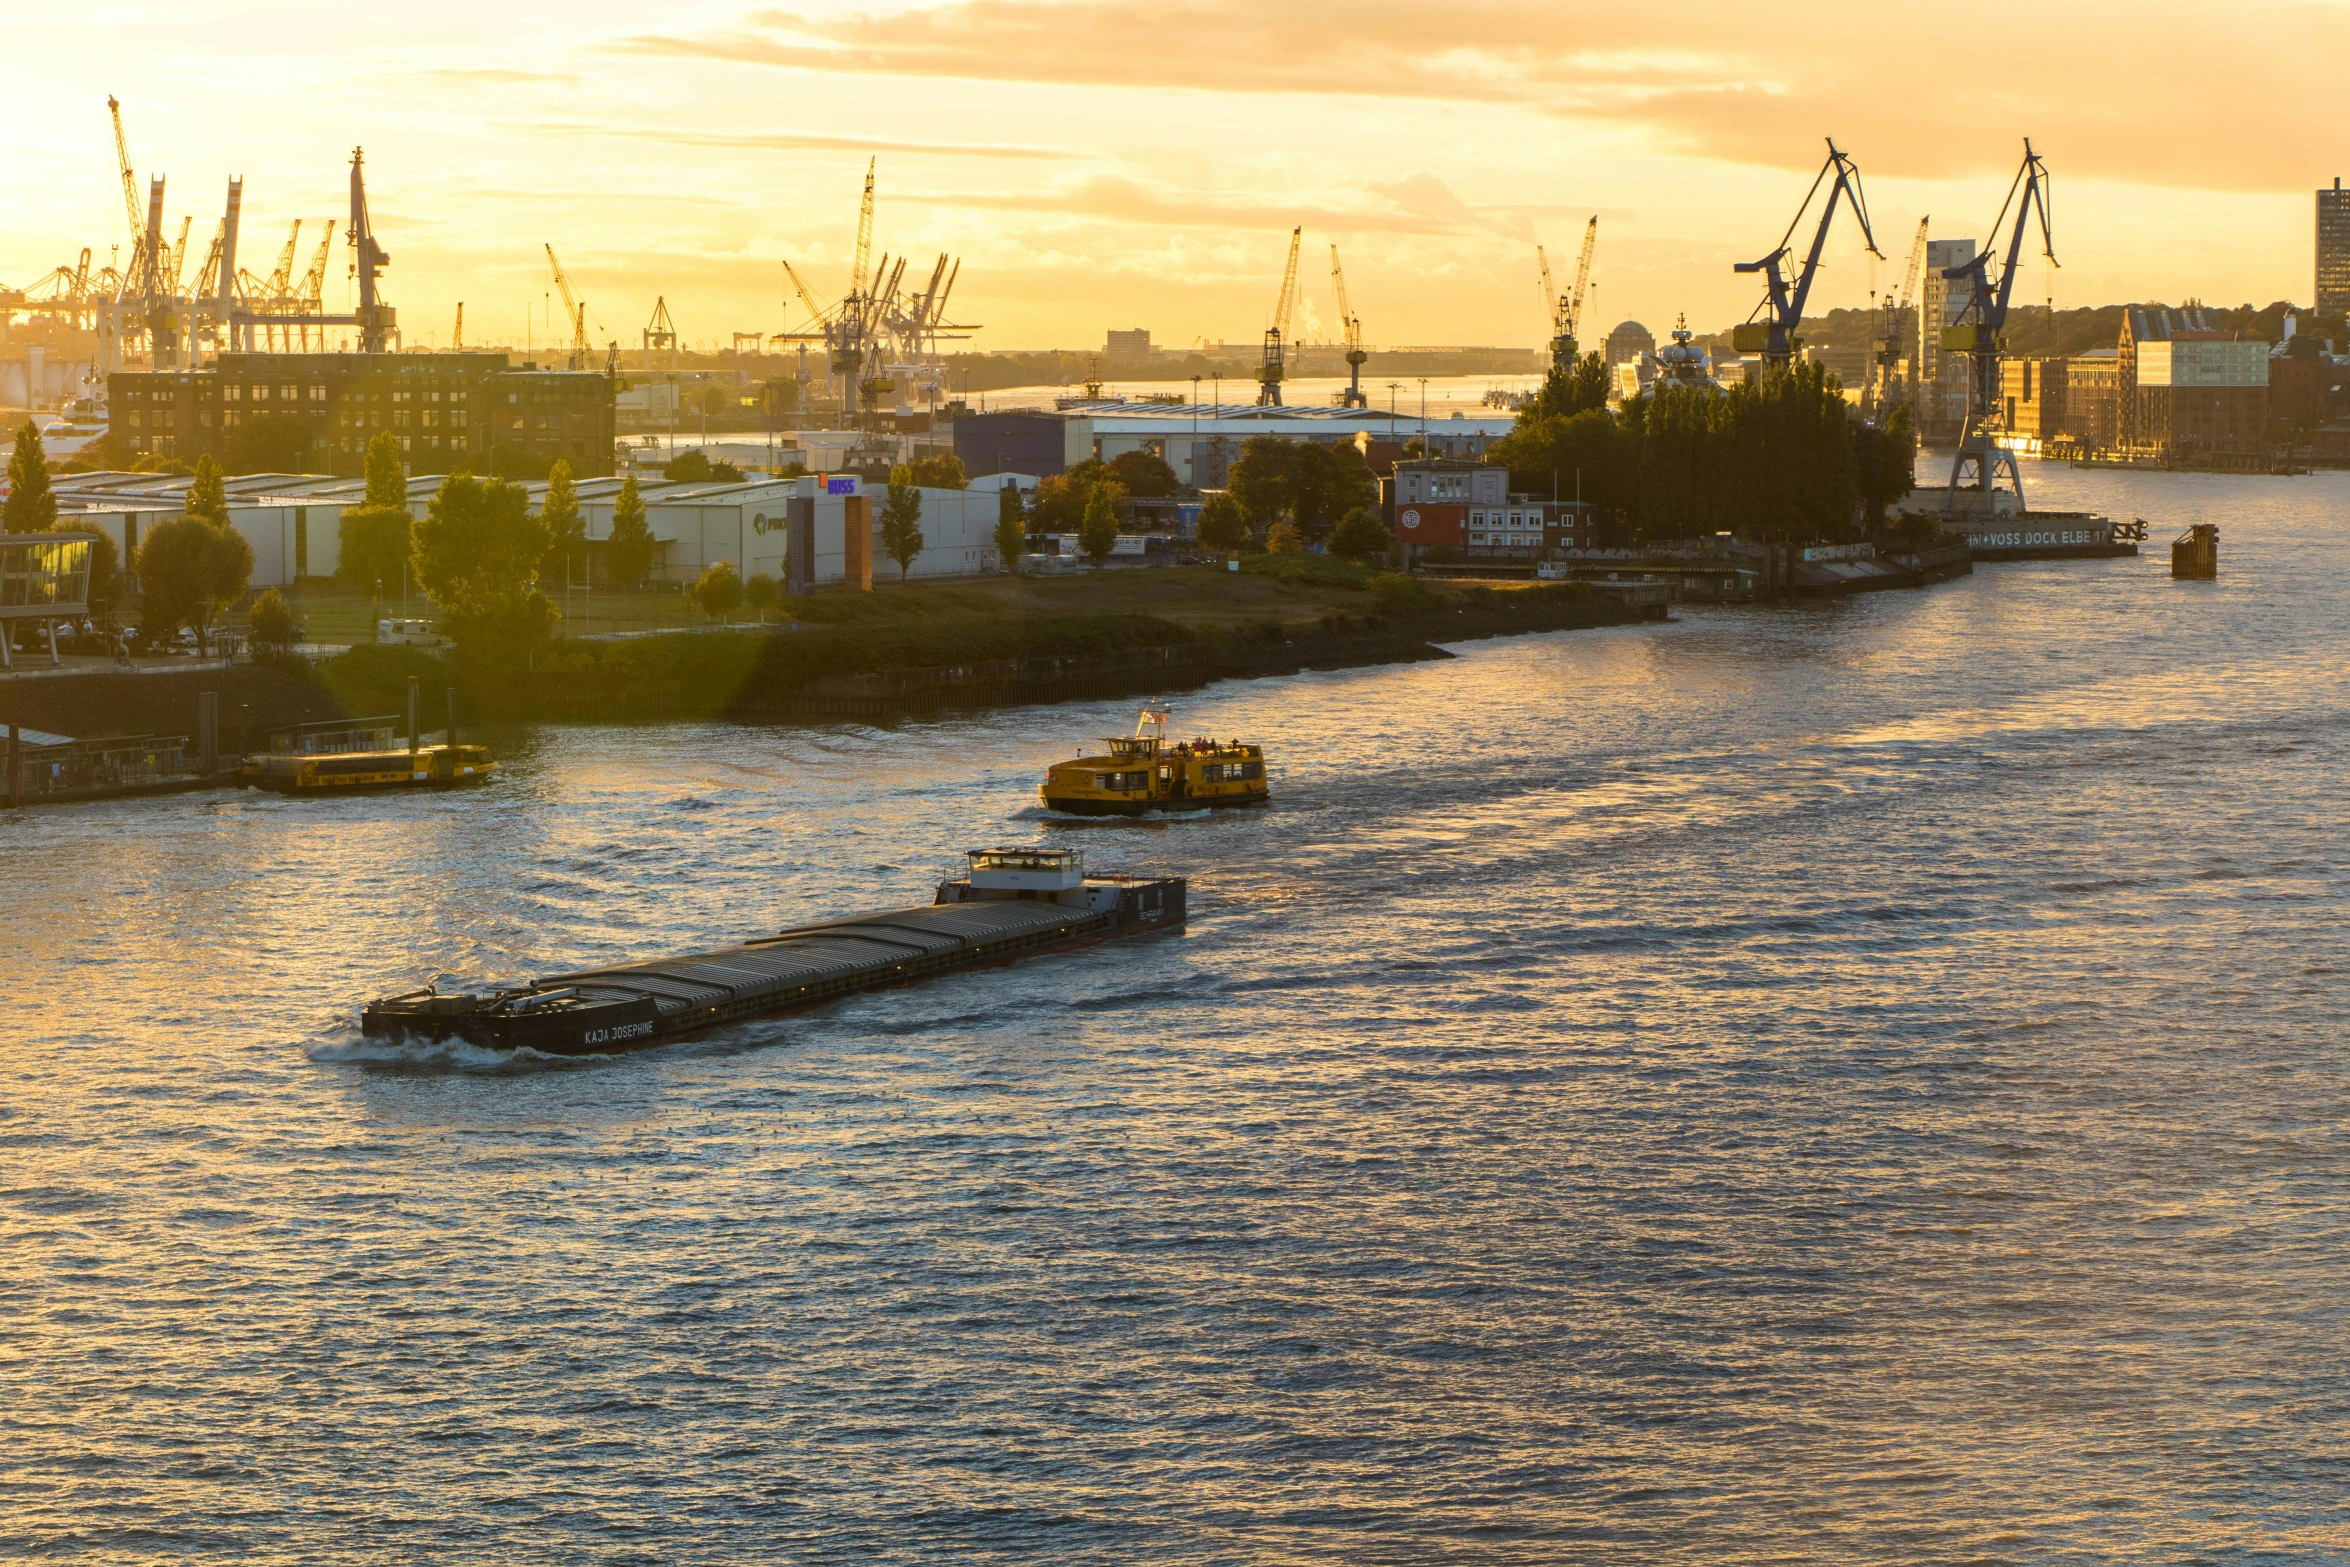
(1270, 372)
(574, 311)
(313, 292)
(1353, 396)
(661, 332)
(1566, 310)
(1890, 338)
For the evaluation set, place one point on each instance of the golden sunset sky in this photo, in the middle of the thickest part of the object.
(1105, 165)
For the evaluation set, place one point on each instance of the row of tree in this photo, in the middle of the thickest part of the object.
(1785, 456)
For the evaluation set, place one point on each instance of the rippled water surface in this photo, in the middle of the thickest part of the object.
(1853, 1082)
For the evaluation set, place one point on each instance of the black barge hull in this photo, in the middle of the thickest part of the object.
(602, 1011)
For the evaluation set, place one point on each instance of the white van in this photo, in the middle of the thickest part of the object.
(411, 633)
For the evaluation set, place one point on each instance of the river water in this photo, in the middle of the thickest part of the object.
(1848, 1082)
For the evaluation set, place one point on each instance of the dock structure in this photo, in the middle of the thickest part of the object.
(1014, 903)
(2194, 554)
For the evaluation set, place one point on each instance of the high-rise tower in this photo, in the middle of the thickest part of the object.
(2333, 249)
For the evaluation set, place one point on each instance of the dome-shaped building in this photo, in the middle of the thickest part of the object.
(1629, 341)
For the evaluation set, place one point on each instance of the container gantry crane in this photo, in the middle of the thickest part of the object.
(1980, 460)
(1274, 366)
(1774, 338)
(1353, 396)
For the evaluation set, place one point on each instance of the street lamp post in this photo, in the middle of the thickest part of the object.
(1423, 416)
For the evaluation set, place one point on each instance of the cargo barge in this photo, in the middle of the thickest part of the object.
(1012, 903)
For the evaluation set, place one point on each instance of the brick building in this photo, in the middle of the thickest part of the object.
(2033, 394)
(315, 413)
(2188, 384)
(2092, 398)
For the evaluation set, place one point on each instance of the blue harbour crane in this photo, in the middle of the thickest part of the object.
(1774, 338)
(1981, 461)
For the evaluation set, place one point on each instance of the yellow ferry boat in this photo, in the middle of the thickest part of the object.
(1143, 773)
(427, 767)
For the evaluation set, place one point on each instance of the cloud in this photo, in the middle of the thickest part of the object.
(1406, 207)
(480, 77)
(2240, 108)
(792, 141)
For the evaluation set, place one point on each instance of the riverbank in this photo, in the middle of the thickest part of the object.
(896, 650)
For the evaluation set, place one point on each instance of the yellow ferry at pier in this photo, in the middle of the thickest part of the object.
(1143, 772)
(427, 767)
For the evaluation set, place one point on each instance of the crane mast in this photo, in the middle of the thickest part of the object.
(1353, 396)
(1270, 372)
(1774, 338)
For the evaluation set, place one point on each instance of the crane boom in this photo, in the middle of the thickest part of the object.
(1288, 297)
(1353, 396)
(801, 289)
(1783, 298)
(1550, 294)
(179, 254)
(281, 280)
(314, 280)
(1274, 365)
(864, 230)
(130, 183)
(1582, 275)
(573, 310)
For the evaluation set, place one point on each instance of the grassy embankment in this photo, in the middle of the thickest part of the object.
(995, 640)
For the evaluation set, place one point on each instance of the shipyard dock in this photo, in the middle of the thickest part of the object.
(1013, 903)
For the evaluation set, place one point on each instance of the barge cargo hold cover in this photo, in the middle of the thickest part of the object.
(1013, 903)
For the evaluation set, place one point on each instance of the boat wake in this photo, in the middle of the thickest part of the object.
(438, 1055)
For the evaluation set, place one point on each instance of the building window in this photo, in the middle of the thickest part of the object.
(288, 394)
(318, 394)
(261, 394)
(232, 393)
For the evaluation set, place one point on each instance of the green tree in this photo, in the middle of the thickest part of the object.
(901, 520)
(1286, 538)
(1222, 528)
(718, 590)
(1360, 537)
(1059, 503)
(477, 553)
(717, 401)
(190, 570)
(1568, 392)
(762, 593)
(1145, 474)
(725, 473)
(628, 556)
(691, 466)
(32, 505)
(106, 580)
(374, 538)
(566, 528)
(1263, 481)
(940, 471)
(387, 476)
(207, 496)
(1011, 528)
(1590, 454)
(1097, 534)
(1884, 463)
(1330, 482)
(272, 620)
